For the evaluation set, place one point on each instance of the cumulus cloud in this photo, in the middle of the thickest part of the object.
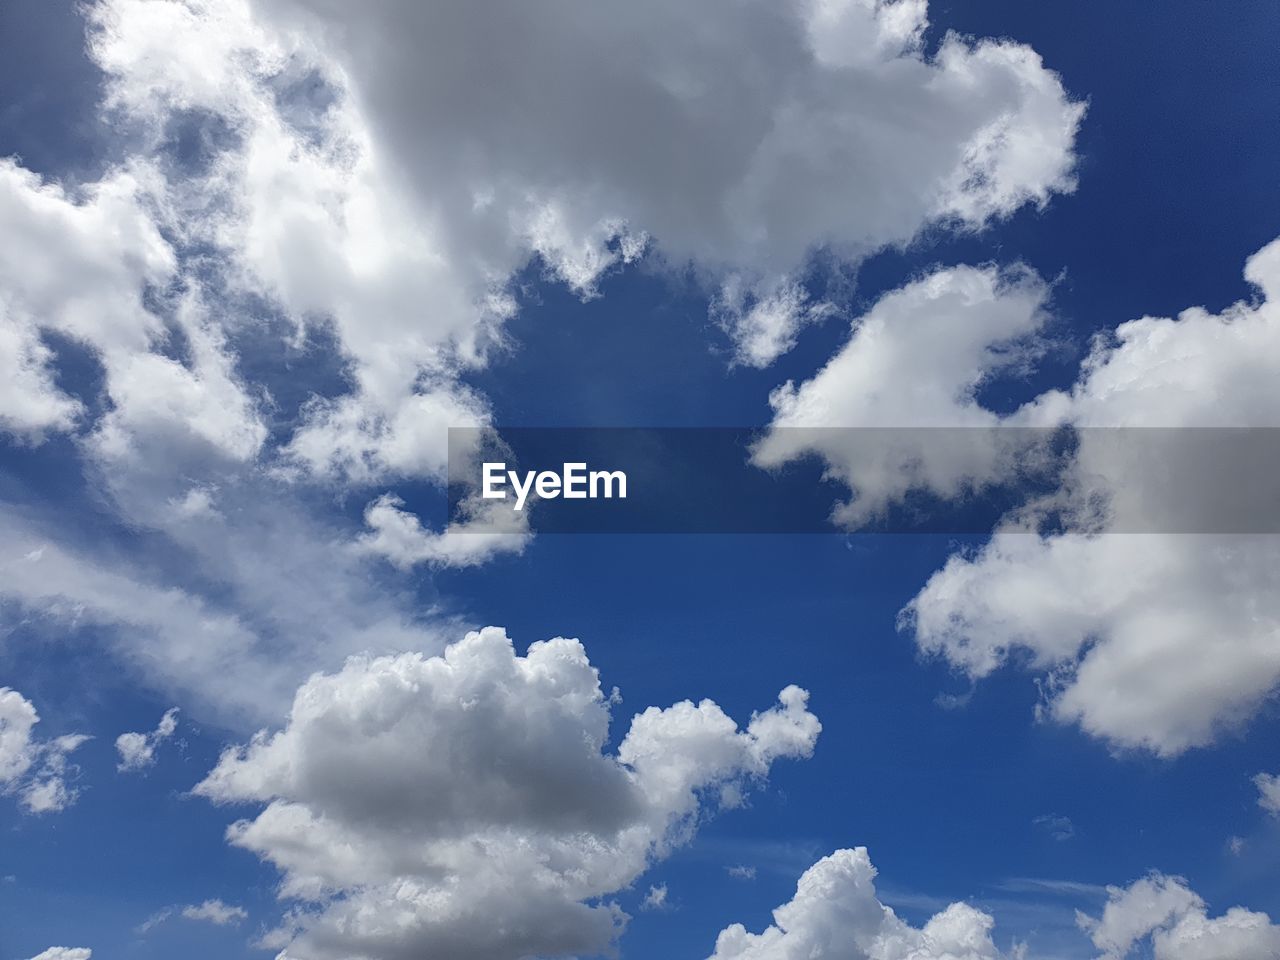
(32, 769)
(1157, 641)
(915, 360)
(86, 271)
(410, 799)
(181, 274)
(1184, 624)
(738, 137)
(64, 953)
(1174, 920)
(138, 750)
(260, 604)
(835, 915)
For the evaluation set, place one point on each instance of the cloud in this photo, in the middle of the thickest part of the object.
(255, 606)
(915, 360)
(174, 452)
(296, 199)
(164, 273)
(656, 898)
(86, 272)
(284, 279)
(741, 872)
(35, 770)
(1183, 626)
(410, 799)
(1268, 792)
(215, 912)
(399, 537)
(1058, 827)
(138, 750)
(736, 137)
(210, 911)
(835, 915)
(1175, 920)
(64, 953)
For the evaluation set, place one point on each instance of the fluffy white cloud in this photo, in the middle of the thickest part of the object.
(914, 361)
(1150, 640)
(35, 770)
(409, 799)
(138, 750)
(1175, 920)
(835, 915)
(739, 137)
(303, 208)
(177, 454)
(401, 220)
(30, 402)
(64, 953)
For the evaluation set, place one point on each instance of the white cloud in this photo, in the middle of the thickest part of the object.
(30, 402)
(304, 209)
(34, 770)
(85, 271)
(105, 266)
(259, 604)
(915, 360)
(656, 898)
(1268, 792)
(835, 915)
(1175, 920)
(64, 953)
(738, 137)
(741, 872)
(311, 196)
(398, 536)
(1179, 623)
(210, 911)
(138, 750)
(410, 799)
(1150, 640)
(215, 912)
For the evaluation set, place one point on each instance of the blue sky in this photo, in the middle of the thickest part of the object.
(174, 543)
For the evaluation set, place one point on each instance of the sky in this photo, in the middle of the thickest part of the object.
(257, 700)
